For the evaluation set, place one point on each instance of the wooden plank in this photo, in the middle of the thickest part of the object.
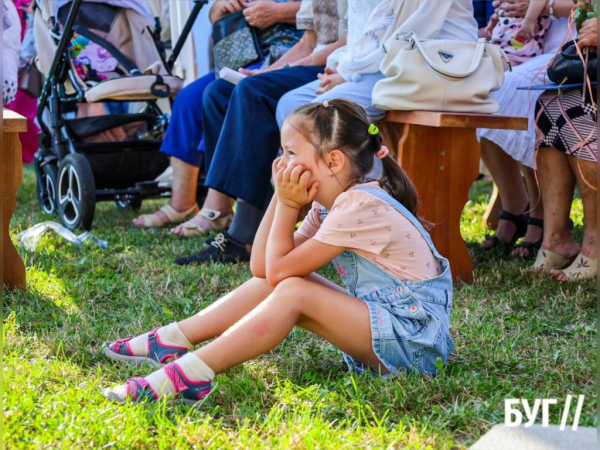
(457, 120)
(13, 122)
(11, 177)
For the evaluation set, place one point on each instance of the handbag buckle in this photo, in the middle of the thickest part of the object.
(407, 36)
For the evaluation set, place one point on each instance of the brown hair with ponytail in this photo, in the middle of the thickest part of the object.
(344, 125)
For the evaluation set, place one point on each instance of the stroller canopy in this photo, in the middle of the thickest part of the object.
(141, 6)
(126, 31)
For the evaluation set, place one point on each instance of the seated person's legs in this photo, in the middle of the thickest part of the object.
(181, 144)
(507, 176)
(239, 164)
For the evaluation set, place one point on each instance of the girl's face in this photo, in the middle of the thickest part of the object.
(298, 151)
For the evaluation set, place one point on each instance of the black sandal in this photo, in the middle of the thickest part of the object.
(520, 222)
(533, 247)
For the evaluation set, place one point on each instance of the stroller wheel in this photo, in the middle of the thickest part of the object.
(46, 187)
(76, 192)
(125, 202)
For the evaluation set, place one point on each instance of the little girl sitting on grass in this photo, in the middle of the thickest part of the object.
(395, 314)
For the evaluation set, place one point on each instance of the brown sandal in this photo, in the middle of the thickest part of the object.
(174, 216)
(218, 223)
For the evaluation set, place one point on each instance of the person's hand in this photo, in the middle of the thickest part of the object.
(588, 34)
(329, 80)
(261, 14)
(489, 30)
(527, 30)
(249, 72)
(232, 6)
(291, 186)
(513, 8)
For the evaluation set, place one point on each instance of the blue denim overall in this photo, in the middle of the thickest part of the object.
(410, 320)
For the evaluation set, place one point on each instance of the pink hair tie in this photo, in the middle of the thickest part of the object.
(383, 152)
(326, 104)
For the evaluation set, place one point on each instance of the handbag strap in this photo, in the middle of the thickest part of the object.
(478, 54)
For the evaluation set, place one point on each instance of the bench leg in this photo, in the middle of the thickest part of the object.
(442, 163)
(11, 177)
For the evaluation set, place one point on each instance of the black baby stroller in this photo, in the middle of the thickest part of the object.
(75, 168)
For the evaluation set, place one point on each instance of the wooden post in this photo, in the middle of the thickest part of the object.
(11, 177)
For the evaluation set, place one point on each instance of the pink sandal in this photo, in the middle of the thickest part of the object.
(158, 353)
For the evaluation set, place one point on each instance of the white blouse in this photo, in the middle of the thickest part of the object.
(441, 19)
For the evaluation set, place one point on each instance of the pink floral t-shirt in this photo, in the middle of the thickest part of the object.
(374, 230)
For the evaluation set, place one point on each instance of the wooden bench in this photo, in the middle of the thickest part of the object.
(11, 177)
(440, 154)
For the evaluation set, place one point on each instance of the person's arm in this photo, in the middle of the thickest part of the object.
(529, 22)
(535, 9)
(221, 8)
(259, 246)
(518, 8)
(284, 258)
(320, 58)
(265, 13)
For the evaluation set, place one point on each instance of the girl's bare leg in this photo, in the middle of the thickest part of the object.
(342, 320)
(225, 312)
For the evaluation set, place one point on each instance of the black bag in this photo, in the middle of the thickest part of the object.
(31, 81)
(236, 43)
(567, 67)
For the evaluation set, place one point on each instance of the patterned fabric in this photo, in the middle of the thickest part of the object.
(279, 38)
(518, 49)
(11, 38)
(328, 18)
(376, 231)
(567, 124)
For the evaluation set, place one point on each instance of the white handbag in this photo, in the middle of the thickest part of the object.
(440, 75)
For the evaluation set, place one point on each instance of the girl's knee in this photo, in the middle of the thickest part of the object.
(290, 284)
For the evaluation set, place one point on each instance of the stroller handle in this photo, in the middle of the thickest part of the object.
(198, 4)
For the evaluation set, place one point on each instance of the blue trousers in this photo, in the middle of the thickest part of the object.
(241, 133)
(184, 134)
(184, 137)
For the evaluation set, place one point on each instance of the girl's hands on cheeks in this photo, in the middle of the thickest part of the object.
(292, 185)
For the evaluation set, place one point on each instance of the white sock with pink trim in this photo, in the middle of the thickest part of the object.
(169, 335)
(192, 366)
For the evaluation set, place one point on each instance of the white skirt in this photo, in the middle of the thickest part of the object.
(521, 144)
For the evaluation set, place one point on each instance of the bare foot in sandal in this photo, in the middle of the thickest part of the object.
(584, 266)
(164, 216)
(216, 214)
(556, 253)
(204, 222)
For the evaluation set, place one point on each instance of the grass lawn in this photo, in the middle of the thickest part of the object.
(517, 336)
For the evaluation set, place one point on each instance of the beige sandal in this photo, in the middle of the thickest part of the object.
(583, 268)
(174, 216)
(547, 260)
(218, 223)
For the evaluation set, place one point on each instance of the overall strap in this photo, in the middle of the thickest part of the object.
(384, 196)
